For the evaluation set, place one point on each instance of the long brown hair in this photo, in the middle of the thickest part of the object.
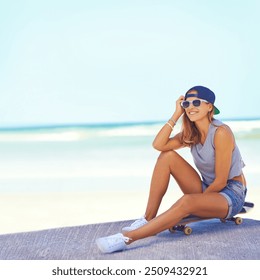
(190, 134)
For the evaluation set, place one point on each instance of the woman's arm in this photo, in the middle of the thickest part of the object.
(162, 141)
(224, 145)
(173, 143)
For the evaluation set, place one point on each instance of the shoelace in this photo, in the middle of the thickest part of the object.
(126, 239)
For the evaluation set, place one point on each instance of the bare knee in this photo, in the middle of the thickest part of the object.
(186, 204)
(167, 156)
(168, 159)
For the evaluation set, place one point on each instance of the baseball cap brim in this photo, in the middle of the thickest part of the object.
(216, 110)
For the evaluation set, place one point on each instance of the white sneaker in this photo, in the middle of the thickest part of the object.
(136, 224)
(112, 243)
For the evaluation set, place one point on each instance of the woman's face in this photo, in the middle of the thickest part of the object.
(197, 108)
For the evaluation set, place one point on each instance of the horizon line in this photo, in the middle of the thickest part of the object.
(99, 124)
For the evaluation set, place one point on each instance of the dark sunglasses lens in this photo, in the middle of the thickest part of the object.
(196, 103)
(185, 104)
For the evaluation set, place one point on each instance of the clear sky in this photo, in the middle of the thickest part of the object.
(85, 61)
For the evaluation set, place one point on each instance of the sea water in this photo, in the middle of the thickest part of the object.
(96, 158)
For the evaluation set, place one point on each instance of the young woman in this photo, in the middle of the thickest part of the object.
(220, 190)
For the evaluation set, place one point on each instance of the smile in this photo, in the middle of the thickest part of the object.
(193, 113)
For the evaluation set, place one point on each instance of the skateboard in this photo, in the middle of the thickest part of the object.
(182, 225)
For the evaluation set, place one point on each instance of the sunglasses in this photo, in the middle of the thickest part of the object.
(196, 103)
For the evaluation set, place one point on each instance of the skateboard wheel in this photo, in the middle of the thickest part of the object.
(187, 230)
(172, 229)
(238, 221)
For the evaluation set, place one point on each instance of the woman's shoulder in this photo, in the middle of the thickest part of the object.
(223, 132)
(220, 126)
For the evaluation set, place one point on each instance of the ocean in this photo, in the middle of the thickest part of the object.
(94, 158)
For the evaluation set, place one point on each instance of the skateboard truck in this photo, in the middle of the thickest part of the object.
(186, 229)
(237, 220)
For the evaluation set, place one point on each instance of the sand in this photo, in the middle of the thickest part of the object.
(37, 211)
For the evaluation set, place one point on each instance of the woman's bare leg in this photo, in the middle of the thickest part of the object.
(170, 163)
(203, 205)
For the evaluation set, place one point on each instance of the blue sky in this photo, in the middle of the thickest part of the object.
(83, 61)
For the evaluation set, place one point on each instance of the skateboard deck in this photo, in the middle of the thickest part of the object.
(182, 225)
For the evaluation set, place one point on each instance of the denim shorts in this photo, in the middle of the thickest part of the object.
(235, 193)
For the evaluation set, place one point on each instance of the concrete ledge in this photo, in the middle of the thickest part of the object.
(210, 240)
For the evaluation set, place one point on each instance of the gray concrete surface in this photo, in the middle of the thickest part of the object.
(210, 240)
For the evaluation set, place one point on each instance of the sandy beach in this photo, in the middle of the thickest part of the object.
(30, 212)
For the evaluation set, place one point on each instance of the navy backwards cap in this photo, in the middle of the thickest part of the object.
(203, 93)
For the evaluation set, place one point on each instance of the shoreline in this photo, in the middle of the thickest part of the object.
(40, 211)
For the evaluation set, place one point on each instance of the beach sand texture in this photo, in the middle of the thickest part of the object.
(29, 212)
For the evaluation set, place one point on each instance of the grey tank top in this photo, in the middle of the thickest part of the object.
(204, 157)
